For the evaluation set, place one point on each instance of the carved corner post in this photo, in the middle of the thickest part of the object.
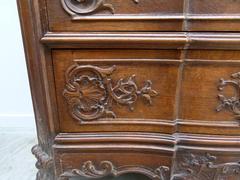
(33, 25)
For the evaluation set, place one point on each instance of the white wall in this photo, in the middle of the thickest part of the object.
(15, 100)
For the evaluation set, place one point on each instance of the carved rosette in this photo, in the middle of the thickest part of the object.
(204, 167)
(106, 168)
(90, 92)
(88, 7)
(230, 103)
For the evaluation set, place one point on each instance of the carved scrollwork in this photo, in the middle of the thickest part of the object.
(85, 7)
(44, 162)
(230, 103)
(203, 167)
(106, 168)
(90, 92)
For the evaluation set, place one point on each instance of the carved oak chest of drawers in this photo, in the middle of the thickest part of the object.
(150, 87)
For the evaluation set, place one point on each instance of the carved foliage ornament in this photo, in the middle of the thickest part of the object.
(230, 103)
(85, 7)
(203, 167)
(106, 168)
(90, 92)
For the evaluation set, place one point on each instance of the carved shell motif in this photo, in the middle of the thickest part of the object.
(85, 7)
(90, 92)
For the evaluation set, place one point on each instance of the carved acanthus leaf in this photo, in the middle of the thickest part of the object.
(106, 168)
(90, 92)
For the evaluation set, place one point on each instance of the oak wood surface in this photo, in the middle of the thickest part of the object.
(146, 87)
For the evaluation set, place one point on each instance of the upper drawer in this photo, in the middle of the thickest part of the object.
(143, 15)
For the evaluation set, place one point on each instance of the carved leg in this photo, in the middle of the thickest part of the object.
(44, 164)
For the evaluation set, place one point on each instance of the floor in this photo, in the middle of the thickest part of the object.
(16, 160)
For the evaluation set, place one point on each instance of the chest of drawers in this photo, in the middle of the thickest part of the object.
(150, 87)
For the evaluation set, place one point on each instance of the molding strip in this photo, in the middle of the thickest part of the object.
(179, 40)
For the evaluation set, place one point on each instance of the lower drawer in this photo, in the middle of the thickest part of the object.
(206, 164)
(91, 166)
(94, 156)
(155, 156)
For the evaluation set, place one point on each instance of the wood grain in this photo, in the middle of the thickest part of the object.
(183, 49)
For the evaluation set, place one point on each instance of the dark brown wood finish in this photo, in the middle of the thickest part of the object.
(115, 80)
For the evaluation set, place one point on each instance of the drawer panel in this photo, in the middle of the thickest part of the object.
(89, 159)
(119, 99)
(213, 15)
(143, 15)
(214, 7)
(206, 103)
(115, 15)
(185, 156)
(90, 165)
(206, 157)
(201, 83)
(116, 87)
(206, 163)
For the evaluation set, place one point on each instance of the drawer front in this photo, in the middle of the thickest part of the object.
(206, 164)
(209, 100)
(115, 15)
(143, 15)
(147, 91)
(204, 157)
(214, 15)
(91, 165)
(91, 156)
(107, 87)
(186, 156)
(205, 95)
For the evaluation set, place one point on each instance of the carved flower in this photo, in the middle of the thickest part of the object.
(91, 93)
(87, 92)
